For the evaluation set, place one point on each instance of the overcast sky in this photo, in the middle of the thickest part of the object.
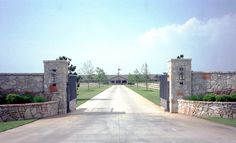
(118, 33)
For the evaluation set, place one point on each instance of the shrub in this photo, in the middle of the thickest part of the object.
(195, 98)
(221, 98)
(19, 99)
(39, 99)
(27, 98)
(13, 99)
(3, 99)
(232, 97)
(209, 97)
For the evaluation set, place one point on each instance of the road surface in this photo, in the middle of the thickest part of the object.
(119, 115)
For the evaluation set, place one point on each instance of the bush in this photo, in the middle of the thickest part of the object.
(13, 99)
(195, 98)
(209, 97)
(221, 98)
(232, 97)
(24, 98)
(27, 98)
(39, 99)
(3, 99)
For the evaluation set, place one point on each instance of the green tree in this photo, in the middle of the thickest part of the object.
(71, 67)
(88, 71)
(137, 77)
(100, 76)
(145, 73)
(131, 79)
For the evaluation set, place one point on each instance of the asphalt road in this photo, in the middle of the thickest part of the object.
(119, 115)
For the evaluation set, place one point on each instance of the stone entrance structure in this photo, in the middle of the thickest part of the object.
(181, 81)
(54, 84)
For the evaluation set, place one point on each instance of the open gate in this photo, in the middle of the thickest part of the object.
(164, 92)
(71, 93)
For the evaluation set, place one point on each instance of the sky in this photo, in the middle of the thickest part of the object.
(116, 34)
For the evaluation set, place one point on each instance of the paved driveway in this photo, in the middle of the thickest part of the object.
(120, 115)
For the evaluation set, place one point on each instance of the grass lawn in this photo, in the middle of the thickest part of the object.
(84, 94)
(229, 122)
(13, 124)
(151, 94)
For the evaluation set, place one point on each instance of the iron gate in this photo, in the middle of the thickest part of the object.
(71, 90)
(164, 92)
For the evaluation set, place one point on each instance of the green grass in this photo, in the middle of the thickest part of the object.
(229, 122)
(152, 95)
(13, 124)
(84, 94)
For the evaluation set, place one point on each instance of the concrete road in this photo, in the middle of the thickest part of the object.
(118, 115)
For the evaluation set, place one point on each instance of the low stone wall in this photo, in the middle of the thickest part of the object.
(10, 112)
(207, 109)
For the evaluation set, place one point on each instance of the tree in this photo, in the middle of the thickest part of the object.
(71, 68)
(88, 71)
(101, 76)
(145, 74)
(137, 77)
(131, 79)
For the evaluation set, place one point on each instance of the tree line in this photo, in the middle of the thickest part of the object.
(87, 70)
(88, 73)
(140, 76)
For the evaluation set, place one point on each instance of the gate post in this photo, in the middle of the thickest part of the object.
(179, 72)
(55, 82)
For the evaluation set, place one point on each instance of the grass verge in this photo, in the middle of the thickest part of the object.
(152, 95)
(84, 94)
(13, 124)
(229, 122)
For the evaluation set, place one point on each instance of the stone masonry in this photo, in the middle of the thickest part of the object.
(179, 81)
(207, 109)
(55, 82)
(203, 82)
(10, 112)
(22, 82)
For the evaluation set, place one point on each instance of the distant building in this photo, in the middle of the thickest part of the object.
(121, 79)
(115, 79)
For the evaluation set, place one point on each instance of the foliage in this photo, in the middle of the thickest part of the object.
(209, 97)
(229, 122)
(195, 98)
(3, 99)
(38, 99)
(20, 99)
(88, 71)
(232, 97)
(137, 76)
(100, 76)
(220, 98)
(152, 95)
(13, 99)
(213, 97)
(13, 124)
(84, 94)
(71, 67)
(131, 79)
(145, 73)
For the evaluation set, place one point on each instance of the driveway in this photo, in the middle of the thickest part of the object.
(119, 115)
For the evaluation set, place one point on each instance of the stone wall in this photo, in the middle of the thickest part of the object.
(203, 82)
(22, 82)
(28, 111)
(207, 109)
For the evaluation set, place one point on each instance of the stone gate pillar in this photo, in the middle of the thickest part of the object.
(179, 81)
(55, 82)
